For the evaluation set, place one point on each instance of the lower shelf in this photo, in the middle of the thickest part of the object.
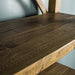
(58, 69)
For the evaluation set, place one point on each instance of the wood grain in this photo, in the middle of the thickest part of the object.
(28, 46)
(58, 69)
(42, 6)
(54, 6)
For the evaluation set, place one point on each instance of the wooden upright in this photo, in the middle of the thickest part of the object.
(41, 6)
(54, 6)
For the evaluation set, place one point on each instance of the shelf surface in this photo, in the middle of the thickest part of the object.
(58, 69)
(25, 42)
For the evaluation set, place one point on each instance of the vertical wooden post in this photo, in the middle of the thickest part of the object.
(54, 6)
(42, 7)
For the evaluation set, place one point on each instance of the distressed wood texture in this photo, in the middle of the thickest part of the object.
(54, 6)
(42, 6)
(30, 45)
(58, 69)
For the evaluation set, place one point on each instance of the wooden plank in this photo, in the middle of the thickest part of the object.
(54, 6)
(41, 5)
(58, 69)
(32, 49)
(21, 25)
(47, 61)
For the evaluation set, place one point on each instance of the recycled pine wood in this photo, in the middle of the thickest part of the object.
(30, 45)
(58, 69)
(42, 6)
(54, 6)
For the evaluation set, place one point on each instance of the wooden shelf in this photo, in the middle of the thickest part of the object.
(30, 45)
(58, 69)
